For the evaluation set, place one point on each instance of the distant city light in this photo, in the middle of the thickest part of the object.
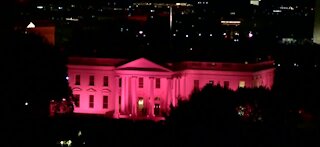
(79, 133)
(246, 62)
(40, 7)
(173, 34)
(210, 35)
(31, 25)
(67, 78)
(187, 36)
(279, 65)
(144, 35)
(199, 34)
(190, 49)
(140, 32)
(152, 10)
(26, 103)
(60, 8)
(250, 34)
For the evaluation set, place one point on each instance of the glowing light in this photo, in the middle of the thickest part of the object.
(173, 34)
(250, 34)
(187, 36)
(79, 133)
(199, 34)
(246, 62)
(61, 142)
(67, 78)
(242, 84)
(190, 49)
(39, 7)
(60, 8)
(210, 35)
(72, 19)
(144, 35)
(63, 99)
(26, 103)
(224, 34)
(69, 142)
(140, 102)
(140, 32)
(31, 25)
(279, 65)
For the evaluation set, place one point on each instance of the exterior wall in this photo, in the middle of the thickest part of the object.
(98, 90)
(205, 76)
(264, 78)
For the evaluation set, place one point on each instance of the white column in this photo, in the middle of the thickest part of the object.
(127, 89)
(169, 96)
(116, 99)
(151, 96)
(123, 94)
(134, 95)
(179, 88)
(174, 89)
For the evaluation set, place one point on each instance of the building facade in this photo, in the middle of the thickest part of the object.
(142, 88)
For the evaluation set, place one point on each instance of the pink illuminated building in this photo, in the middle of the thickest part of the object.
(144, 89)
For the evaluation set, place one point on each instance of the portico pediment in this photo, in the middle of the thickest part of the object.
(142, 64)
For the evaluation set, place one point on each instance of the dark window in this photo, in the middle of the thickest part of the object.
(196, 84)
(120, 82)
(105, 102)
(77, 80)
(91, 80)
(140, 82)
(226, 84)
(76, 100)
(158, 83)
(119, 99)
(105, 81)
(91, 101)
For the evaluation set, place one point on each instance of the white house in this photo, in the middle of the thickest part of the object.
(142, 88)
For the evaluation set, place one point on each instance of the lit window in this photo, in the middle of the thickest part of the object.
(226, 84)
(77, 80)
(105, 81)
(140, 82)
(105, 102)
(91, 80)
(196, 84)
(242, 84)
(158, 83)
(76, 100)
(91, 101)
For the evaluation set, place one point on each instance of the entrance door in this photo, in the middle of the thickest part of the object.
(156, 109)
(141, 109)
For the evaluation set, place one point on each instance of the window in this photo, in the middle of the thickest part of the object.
(226, 84)
(76, 100)
(91, 80)
(120, 100)
(211, 82)
(120, 82)
(242, 84)
(140, 82)
(105, 102)
(158, 83)
(105, 81)
(91, 101)
(77, 80)
(196, 84)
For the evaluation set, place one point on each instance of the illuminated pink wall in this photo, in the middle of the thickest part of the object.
(173, 84)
